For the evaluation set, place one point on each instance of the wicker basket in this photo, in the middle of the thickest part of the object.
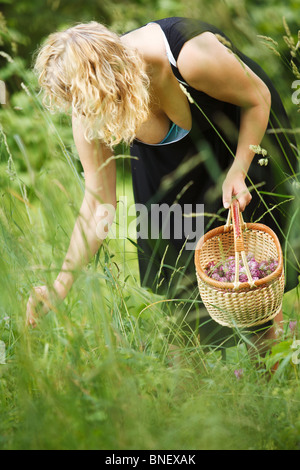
(236, 304)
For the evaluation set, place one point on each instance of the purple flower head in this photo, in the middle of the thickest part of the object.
(239, 373)
(292, 326)
(226, 271)
(252, 265)
(215, 276)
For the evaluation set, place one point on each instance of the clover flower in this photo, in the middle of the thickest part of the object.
(239, 373)
(293, 326)
(225, 272)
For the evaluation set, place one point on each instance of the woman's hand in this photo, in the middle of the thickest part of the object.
(40, 303)
(234, 185)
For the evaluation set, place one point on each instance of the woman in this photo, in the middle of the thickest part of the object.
(127, 89)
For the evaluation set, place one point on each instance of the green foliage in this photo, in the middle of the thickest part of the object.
(30, 22)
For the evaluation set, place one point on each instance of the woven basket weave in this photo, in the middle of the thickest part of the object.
(236, 304)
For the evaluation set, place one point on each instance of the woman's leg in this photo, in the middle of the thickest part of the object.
(264, 340)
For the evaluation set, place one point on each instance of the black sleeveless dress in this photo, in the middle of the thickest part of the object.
(190, 172)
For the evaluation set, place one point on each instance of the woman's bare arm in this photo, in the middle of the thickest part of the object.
(88, 234)
(207, 65)
(100, 190)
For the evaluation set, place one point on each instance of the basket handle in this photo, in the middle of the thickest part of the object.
(239, 249)
(237, 226)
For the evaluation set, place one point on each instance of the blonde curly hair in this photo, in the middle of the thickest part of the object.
(88, 68)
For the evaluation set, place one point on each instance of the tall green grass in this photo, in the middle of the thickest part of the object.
(95, 373)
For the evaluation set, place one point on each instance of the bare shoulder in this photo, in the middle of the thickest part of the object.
(208, 65)
(203, 43)
(148, 41)
(203, 57)
(205, 47)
